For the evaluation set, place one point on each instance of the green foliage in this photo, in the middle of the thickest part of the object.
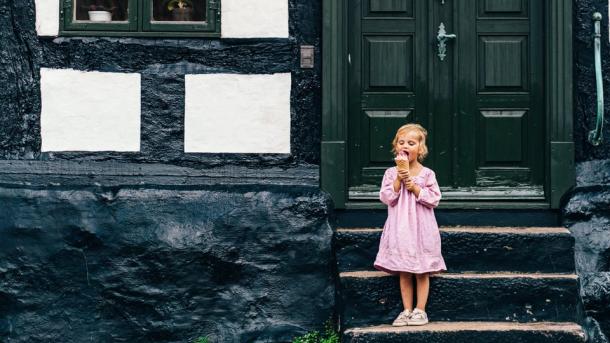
(172, 4)
(311, 337)
(202, 340)
(329, 336)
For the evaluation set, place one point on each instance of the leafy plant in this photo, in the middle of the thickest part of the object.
(201, 340)
(102, 6)
(173, 4)
(329, 336)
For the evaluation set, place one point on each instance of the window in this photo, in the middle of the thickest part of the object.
(157, 18)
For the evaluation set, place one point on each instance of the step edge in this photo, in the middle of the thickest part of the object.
(480, 230)
(365, 274)
(567, 327)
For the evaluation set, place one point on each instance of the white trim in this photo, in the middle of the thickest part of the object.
(254, 19)
(47, 17)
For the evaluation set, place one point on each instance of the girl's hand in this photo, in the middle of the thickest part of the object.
(410, 184)
(403, 174)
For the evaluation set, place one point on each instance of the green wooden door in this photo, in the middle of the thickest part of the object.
(483, 103)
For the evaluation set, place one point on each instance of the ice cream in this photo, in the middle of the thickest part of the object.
(402, 160)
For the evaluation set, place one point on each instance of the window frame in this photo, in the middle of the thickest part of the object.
(139, 23)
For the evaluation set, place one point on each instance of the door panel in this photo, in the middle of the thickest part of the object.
(483, 105)
(381, 122)
(379, 75)
(503, 136)
(503, 7)
(386, 69)
(503, 63)
(384, 7)
(507, 104)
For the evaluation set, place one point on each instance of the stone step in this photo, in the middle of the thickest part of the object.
(469, 332)
(373, 297)
(480, 249)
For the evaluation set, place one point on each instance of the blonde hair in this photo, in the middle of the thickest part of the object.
(423, 148)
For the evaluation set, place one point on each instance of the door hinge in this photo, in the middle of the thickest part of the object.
(214, 5)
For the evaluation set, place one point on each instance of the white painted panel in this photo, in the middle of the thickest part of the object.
(254, 19)
(233, 113)
(47, 17)
(89, 111)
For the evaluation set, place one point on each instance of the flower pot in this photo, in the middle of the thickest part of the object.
(100, 16)
(182, 14)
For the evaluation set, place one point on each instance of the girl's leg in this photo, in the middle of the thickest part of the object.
(423, 288)
(406, 290)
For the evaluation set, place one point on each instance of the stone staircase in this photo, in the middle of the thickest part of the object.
(503, 284)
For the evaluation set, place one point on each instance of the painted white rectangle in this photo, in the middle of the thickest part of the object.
(254, 19)
(89, 111)
(47, 17)
(234, 113)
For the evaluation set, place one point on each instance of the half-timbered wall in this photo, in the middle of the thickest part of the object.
(142, 239)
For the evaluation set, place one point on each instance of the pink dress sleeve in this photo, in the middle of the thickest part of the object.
(430, 193)
(386, 193)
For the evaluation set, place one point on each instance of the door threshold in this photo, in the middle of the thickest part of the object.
(502, 194)
(465, 205)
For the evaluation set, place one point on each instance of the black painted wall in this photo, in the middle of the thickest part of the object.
(248, 263)
(160, 246)
(108, 257)
(163, 64)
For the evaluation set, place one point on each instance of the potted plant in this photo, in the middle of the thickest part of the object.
(181, 10)
(100, 12)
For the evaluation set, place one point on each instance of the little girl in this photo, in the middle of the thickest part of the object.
(411, 243)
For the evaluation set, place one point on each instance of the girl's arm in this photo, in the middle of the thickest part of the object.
(396, 185)
(430, 194)
(388, 194)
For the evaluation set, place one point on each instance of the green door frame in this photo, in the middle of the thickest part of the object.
(559, 148)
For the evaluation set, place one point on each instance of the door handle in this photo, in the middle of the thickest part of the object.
(443, 37)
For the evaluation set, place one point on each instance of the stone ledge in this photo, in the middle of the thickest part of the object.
(474, 326)
(477, 229)
(370, 298)
(469, 332)
(69, 173)
(496, 275)
(479, 249)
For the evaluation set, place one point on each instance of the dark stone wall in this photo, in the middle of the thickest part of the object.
(160, 246)
(163, 263)
(163, 64)
(586, 209)
(20, 59)
(586, 213)
(248, 263)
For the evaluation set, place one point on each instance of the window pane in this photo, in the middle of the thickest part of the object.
(101, 10)
(179, 10)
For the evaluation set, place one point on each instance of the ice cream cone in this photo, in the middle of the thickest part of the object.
(402, 164)
(402, 161)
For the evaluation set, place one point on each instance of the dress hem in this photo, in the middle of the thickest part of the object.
(394, 272)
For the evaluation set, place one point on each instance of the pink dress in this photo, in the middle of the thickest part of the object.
(410, 241)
